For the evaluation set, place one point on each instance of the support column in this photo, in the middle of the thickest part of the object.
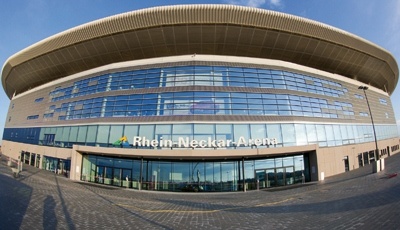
(244, 176)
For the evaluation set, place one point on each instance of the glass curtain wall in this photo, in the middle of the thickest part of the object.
(325, 135)
(195, 176)
(56, 165)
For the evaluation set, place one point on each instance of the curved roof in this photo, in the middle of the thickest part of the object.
(201, 29)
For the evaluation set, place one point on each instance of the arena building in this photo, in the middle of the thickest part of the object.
(201, 98)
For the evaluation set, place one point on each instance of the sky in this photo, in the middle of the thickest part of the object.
(25, 22)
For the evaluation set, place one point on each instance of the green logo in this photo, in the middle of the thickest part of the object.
(122, 142)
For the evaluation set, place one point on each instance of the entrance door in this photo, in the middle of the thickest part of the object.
(275, 177)
(346, 164)
(366, 159)
(37, 161)
(371, 157)
(33, 157)
(289, 175)
(260, 177)
(108, 175)
(127, 178)
(270, 177)
(26, 158)
(280, 176)
(99, 174)
(117, 177)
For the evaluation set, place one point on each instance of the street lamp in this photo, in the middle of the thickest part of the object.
(372, 121)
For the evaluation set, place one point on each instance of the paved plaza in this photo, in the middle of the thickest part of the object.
(358, 199)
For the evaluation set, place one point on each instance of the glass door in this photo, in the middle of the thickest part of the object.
(117, 177)
(289, 175)
(127, 178)
(108, 176)
(346, 164)
(37, 161)
(273, 177)
(260, 177)
(366, 159)
(271, 182)
(99, 174)
(33, 157)
(280, 176)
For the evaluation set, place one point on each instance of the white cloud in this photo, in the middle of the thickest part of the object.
(396, 16)
(392, 35)
(256, 3)
(275, 2)
(398, 126)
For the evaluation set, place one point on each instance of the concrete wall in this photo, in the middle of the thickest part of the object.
(331, 160)
(13, 150)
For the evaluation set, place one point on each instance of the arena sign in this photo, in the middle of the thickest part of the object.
(185, 142)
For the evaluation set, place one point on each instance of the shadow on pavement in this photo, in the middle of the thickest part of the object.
(14, 200)
(68, 218)
(90, 188)
(49, 213)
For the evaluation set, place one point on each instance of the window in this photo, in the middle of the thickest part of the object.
(363, 114)
(183, 103)
(382, 101)
(204, 75)
(32, 117)
(39, 99)
(48, 139)
(358, 96)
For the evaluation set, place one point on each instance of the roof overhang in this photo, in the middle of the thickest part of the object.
(200, 29)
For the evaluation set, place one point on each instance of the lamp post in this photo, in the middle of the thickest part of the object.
(372, 121)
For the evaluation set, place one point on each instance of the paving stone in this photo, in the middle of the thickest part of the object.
(357, 199)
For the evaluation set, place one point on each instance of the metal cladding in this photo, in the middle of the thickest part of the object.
(200, 29)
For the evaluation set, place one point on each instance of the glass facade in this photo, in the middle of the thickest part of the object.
(56, 165)
(199, 75)
(325, 99)
(195, 176)
(199, 90)
(211, 103)
(292, 134)
(203, 102)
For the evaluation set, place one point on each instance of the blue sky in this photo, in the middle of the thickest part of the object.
(25, 22)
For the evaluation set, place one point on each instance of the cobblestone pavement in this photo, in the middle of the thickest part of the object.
(355, 200)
